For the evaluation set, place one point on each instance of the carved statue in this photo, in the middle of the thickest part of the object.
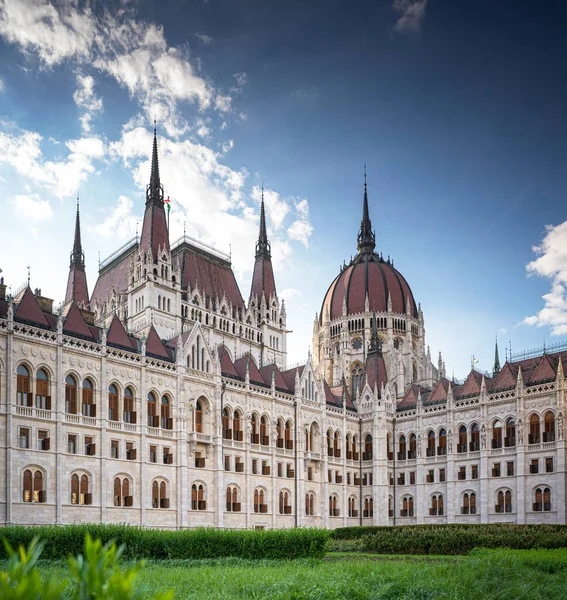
(520, 432)
(483, 437)
(419, 445)
(450, 441)
(560, 425)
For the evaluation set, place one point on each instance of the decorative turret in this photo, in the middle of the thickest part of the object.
(263, 282)
(366, 237)
(77, 290)
(375, 347)
(154, 230)
(496, 369)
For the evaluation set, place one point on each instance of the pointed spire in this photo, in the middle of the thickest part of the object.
(77, 254)
(154, 191)
(366, 237)
(496, 369)
(263, 249)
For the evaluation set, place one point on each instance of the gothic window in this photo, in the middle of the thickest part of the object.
(334, 510)
(497, 434)
(254, 435)
(310, 504)
(89, 406)
(542, 499)
(129, 413)
(357, 344)
(329, 443)
(122, 492)
(367, 448)
(352, 510)
(407, 507)
(336, 445)
(402, 448)
(389, 450)
(42, 397)
(510, 438)
(24, 386)
(549, 427)
(534, 437)
(462, 445)
(80, 490)
(469, 504)
(113, 404)
(198, 501)
(33, 486)
(199, 417)
(475, 438)
(232, 503)
(442, 448)
(357, 379)
(264, 438)
(284, 505)
(260, 505)
(368, 511)
(71, 395)
(412, 446)
(166, 420)
(153, 419)
(159, 494)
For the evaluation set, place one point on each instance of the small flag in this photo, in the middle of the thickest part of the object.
(167, 202)
(475, 360)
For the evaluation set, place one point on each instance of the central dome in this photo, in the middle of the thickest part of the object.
(371, 275)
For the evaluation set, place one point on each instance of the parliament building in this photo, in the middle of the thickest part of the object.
(164, 399)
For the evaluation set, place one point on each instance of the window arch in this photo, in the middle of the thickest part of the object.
(226, 430)
(534, 436)
(549, 427)
(334, 510)
(199, 416)
(198, 501)
(462, 445)
(430, 443)
(254, 435)
(510, 437)
(71, 395)
(407, 507)
(469, 504)
(23, 386)
(88, 404)
(357, 380)
(337, 444)
(442, 447)
(264, 438)
(279, 433)
(160, 498)
(113, 408)
(284, 504)
(237, 425)
(475, 438)
(329, 442)
(412, 452)
(368, 507)
(32, 486)
(42, 396)
(165, 411)
(402, 449)
(437, 505)
(122, 495)
(497, 434)
(232, 500)
(367, 447)
(153, 419)
(129, 412)
(80, 489)
(542, 499)
(310, 504)
(260, 505)
(288, 436)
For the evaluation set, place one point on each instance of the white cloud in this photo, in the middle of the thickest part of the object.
(552, 264)
(277, 207)
(241, 79)
(85, 98)
(223, 103)
(289, 293)
(1, 85)
(301, 229)
(121, 223)
(32, 207)
(206, 39)
(411, 14)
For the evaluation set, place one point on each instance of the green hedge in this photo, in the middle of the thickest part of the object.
(455, 539)
(62, 541)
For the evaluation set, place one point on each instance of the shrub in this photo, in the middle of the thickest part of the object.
(458, 539)
(61, 541)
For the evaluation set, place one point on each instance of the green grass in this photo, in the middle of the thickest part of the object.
(486, 574)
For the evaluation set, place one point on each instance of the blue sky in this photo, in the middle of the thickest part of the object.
(457, 108)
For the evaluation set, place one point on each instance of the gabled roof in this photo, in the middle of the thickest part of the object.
(155, 347)
(227, 366)
(118, 337)
(544, 371)
(439, 392)
(279, 381)
(75, 324)
(376, 372)
(471, 387)
(506, 379)
(289, 377)
(255, 375)
(340, 394)
(28, 309)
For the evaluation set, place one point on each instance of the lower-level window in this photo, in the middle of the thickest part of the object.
(33, 486)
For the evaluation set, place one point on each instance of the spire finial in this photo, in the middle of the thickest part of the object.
(263, 246)
(154, 191)
(77, 254)
(496, 369)
(366, 237)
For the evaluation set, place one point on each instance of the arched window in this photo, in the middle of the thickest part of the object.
(32, 488)
(412, 446)
(334, 510)
(549, 427)
(42, 396)
(310, 504)
(23, 386)
(402, 453)
(462, 445)
(70, 395)
(232, 503)
(442, 448)
(534, 437)
(336, 445)
(407, 507)
(159, 494)
(280, 434)
(129, 412)
(510, 438)
(368, 508)
(198, 501)
(80, 493)
(199, 417)
(329, 443)
(542, 499)
(469, 504)
(497, 434)
(352, 507)
(287, 434)
(348, 446)
(284, 504)
(367, 448)
(113, 408)
(508, 502)
(475, 438)
(260, 505)
(236, 426)
(499, 507)
(88, 405)
(254, 435)
(264, 438)
(440, 505)
(153, 419)
(117, 492)
(357, 380)
(434, 506)
(126, 497)
(166, 420)
(226, 430)
(431, 443)
(389, 449)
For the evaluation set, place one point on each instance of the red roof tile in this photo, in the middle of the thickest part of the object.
(74, 322)
(544, 371)
(114, 277)
(227, 367)
(376, 372)
(77, 289)
(471, 385)
(254, 373)
(28, 309)
(154, 345)
(117, 335)
(154, 229)
(289, 377)
(263, 279)
(439, 392)
(507, 378)
(279, 381)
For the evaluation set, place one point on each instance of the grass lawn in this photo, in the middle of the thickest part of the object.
(498, 574)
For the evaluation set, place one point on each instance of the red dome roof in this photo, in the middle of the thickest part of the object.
(368, 274)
